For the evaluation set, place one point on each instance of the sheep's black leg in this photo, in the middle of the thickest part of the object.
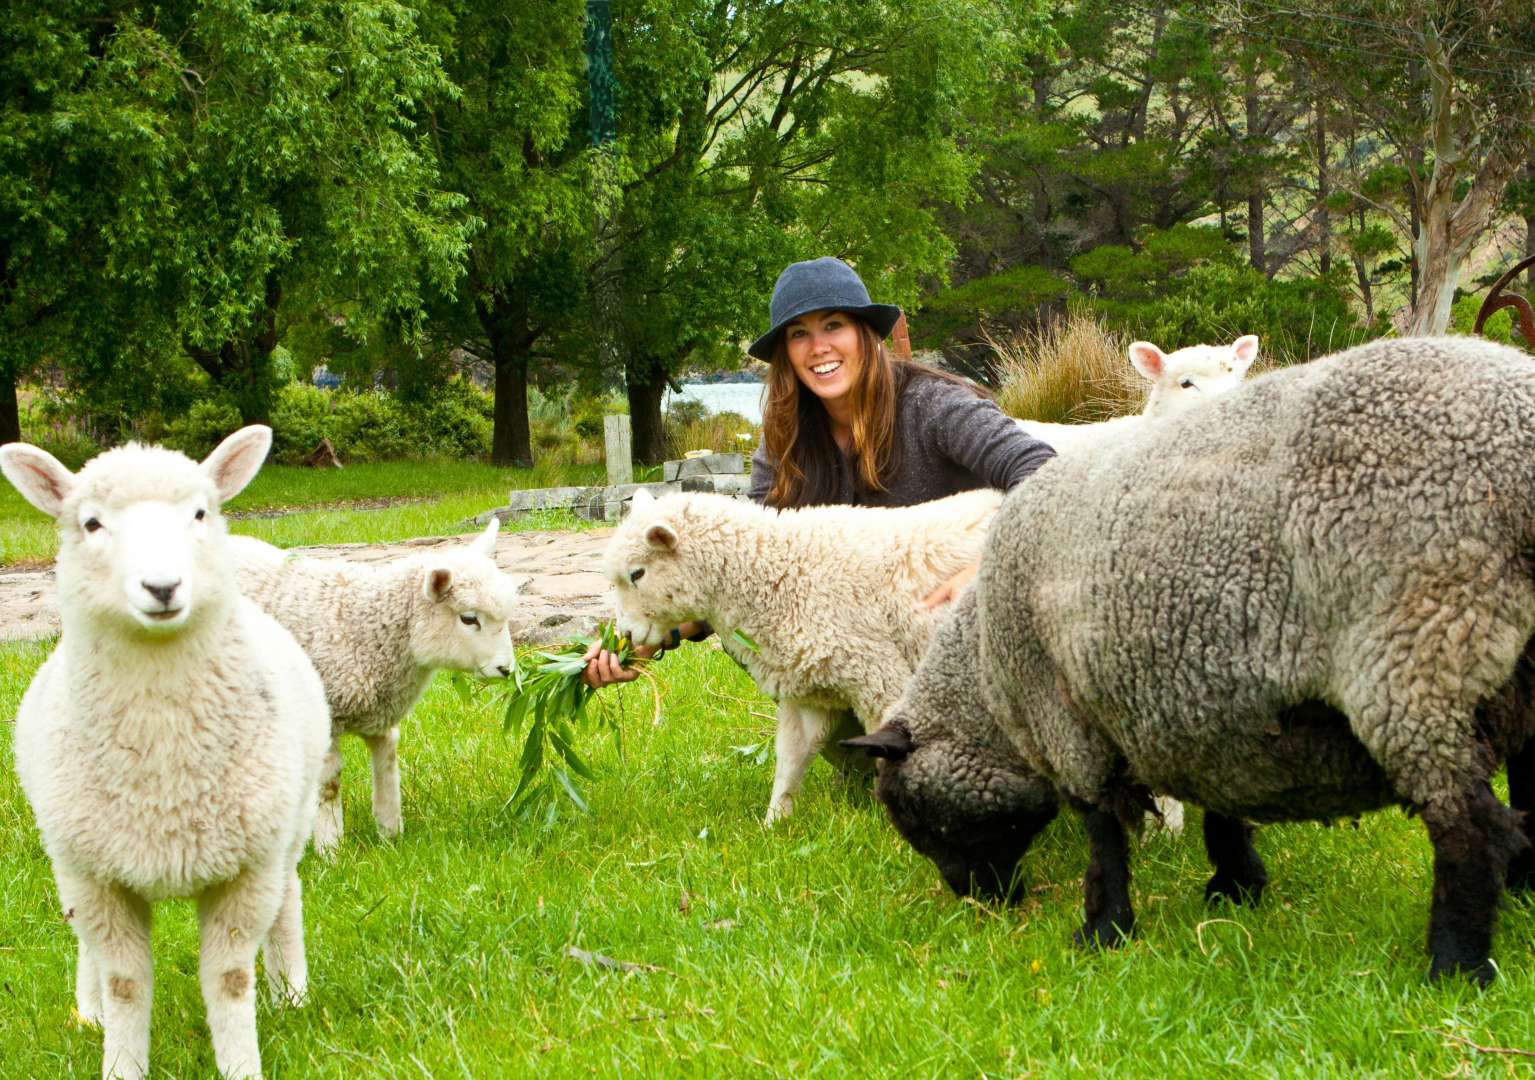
(1106, 885)
(1472, 851)
(1239, 874)
(1521, 796)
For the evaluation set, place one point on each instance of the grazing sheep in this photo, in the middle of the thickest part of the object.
(376, 633)
(1311, 599)
(171, 746)
(1179, 381)
(830, 595)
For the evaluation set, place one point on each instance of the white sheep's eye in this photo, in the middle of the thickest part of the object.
(469, 618)
(91, 524)
(1187, 384)
(635, 575)
(199, 515)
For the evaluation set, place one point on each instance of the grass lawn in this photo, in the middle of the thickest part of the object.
(822, 948)
(286, 505)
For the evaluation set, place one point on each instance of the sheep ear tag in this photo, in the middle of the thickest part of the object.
(40, 477)
(891, 742)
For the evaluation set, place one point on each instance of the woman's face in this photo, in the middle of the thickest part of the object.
(826, 353)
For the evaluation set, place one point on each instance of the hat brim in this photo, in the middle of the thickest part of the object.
(882, 317)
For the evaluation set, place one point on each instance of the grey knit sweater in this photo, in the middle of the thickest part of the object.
(948, 440)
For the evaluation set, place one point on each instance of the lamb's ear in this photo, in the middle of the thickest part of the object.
(40, 477)
(485, 543)
(661, 535)
(891, 742)
(1149, 360)
(236, 460)
(437, 584)
(1243, 352)
(641, 498)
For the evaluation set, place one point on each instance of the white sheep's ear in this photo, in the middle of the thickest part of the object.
(1149, 360)
(485, 543)
(437, 584)
(236, 460)
(1243, 352)
(40, 477)
(641, 498)
(661, 536)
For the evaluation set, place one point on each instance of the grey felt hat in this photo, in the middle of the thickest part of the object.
(822, 284)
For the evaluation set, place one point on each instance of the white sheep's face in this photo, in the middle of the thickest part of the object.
(643, 563)
(465, 611)
(1182, 379)
(141, 540)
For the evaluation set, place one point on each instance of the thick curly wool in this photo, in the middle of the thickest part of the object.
(1179, 381)
(830, 595)
(376, 633)
(168, 758)
(1312, 598)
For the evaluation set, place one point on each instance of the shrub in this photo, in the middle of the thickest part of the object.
(202, 427)
(720, 432)
(1069, 370)
(376, 426)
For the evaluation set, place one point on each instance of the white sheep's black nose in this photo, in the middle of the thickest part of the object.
(162, 593)
(504, 670)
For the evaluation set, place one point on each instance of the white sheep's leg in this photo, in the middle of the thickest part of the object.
(87, 985)
(801, 730)
(113, 927)
(233, 919)
(287, 970)
(1172, 815)
(386, 781)
(327, 823)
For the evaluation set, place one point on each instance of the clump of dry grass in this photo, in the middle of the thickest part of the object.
(1066, 371)
(720, 432)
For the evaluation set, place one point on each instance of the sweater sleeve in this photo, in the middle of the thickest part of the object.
(763, 475)
(973, 433)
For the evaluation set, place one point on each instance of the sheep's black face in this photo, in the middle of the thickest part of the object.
(972, 815)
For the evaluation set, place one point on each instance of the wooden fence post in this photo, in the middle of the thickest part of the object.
(618, 450)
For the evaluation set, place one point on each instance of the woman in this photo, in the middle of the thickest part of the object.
(844, 423)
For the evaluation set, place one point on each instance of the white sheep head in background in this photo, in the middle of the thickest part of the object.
(466, 602)
(1192, 374)
(141, 539)
(652, 589)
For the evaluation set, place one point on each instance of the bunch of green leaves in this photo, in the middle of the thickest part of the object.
(544, 702)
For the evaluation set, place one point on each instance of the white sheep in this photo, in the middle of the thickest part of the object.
(1179, 381)
(377, 633)
(829, 595)
(171, 745)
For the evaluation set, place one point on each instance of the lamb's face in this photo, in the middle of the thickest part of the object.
(141, 541)
(649, 573)
(463, 620)
(974, 815)
(1182, 379)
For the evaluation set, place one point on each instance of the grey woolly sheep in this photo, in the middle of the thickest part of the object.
(1311, 598)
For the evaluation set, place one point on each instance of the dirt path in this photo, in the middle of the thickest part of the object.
(564, 597)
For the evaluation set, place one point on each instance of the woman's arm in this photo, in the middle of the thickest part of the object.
(973, 433)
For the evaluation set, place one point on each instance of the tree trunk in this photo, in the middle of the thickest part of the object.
(504, 318)
(646, 383)
(243, 368)
(10, 413)
(1323, 191)
(511, 442)
(1256, 196)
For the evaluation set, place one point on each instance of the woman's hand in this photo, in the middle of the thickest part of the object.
(951, 588)
(603, 668)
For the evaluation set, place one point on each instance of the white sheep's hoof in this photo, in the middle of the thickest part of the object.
(284, 994)
(778, 811)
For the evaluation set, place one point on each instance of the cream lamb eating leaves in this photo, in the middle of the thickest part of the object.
(829, 595)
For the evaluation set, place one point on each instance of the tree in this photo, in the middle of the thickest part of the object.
(1449, 86)
(242, 149)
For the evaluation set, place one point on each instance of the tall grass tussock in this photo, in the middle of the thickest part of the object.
(1066, 371)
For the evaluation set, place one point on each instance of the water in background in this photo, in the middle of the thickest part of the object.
(744, 399)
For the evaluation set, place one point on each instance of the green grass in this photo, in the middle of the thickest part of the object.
(822, 948)
(427, 499)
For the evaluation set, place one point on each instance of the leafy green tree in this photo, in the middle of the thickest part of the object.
(233, 151)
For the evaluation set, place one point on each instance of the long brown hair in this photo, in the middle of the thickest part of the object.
(796, 430)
